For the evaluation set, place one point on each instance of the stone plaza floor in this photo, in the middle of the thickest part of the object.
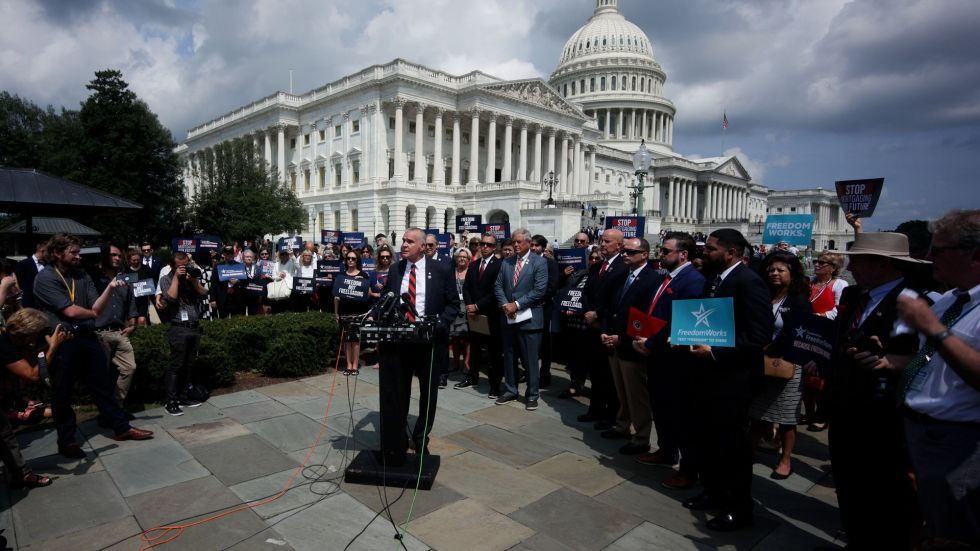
(510, 479)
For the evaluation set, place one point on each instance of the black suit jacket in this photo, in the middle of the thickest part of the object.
(478, 290)
(554, 282)
(738, 371)
(637, 296)
(600, 291)
(441, 298)
(26, 271)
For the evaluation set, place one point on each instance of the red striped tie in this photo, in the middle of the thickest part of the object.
(660, 291)
(517, 272)
(411, 294)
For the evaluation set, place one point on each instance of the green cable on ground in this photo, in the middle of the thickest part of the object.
(421, 453)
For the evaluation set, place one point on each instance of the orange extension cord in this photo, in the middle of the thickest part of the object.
(177, 530)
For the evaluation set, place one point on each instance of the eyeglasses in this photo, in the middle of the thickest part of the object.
(630, 252)
(147, 250)
(485, 244)
(385, 257)
(580, 241)
(821, 263)
(665, 250)
(351, 259)
(430, 245)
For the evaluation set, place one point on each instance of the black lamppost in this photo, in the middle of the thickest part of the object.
(551, 180)
(641, 164)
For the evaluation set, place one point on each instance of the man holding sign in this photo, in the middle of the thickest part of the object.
(725, 378)
(116, 321)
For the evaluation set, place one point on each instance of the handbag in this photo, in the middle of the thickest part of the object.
(778, 368)
(280, 289)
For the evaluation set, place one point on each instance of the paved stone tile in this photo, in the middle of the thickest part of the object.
(266, 540)
(461, 402)
(241, 458)
(179, 502)
(570, 438)
(650, 537)
(143, 469)
(292, 391)
(206, 433)
(400, 501)
(309, 486)
(237, 399)
(192, 416)
(7, 519)
(495, 484)
(448, 422)
(314, 409)
(787, 536)
(103, 443)
(257, 411)
(575, 520)
(66, 507)
(507, 418)
(39, 443)
(335, 521)
(584, 475)
(497, 443)
(218, 534)
(443, 448)
(289, 432)
(89, 538)
(469, 525)
(540, 542)
(58, 466)
(643, 497)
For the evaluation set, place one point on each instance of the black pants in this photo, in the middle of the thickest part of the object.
(575, 350)
(544, 354)
(83, 356)
(493, 344)
(184, 342)
(603, 402)
(13, 461)
(672, 401)
(398, 364)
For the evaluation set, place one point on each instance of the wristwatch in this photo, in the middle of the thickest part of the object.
(938, 338)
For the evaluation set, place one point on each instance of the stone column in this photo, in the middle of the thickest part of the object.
(507, 173)
(438, 164)
(267, 141)
(522, 160)
(605, 131)
(573, 187)
(313, 143)
(420, 168)
(281, 153)
(536, 175)
(694, 201)
(590, 174)
(475, 147)
(492, 149)
(671, 195)
(632, 131)
(643, 123)
(551, 150)
(563, 163)
(709, 205)
(619, 126)
(399, 152)
(670, 130)
(346, 165)
(456, 158)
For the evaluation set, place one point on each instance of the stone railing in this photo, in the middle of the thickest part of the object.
(279, 99)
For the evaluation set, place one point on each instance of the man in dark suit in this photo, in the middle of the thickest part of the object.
(605, 279)
(538, 245)
(226, 296)
(669, 372)
(432, 250)
(151, 262)
(26, 270)
(478, 294)
(431, 290)
(867, 448)
(520, 289)
(629, 371)
(726, 379)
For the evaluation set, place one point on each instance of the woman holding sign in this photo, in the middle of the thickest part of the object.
(825, 292)
(779, 401)
(344, 307)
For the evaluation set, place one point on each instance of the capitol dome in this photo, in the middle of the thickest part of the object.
(607, 67)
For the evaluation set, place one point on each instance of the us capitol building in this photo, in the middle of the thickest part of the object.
(400, 145)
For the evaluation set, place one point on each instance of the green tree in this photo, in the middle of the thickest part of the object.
(21, 127)
(123, 149)
(239, 198)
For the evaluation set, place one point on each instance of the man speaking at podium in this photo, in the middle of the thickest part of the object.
(428, 291)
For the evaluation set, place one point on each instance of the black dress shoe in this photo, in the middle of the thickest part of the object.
(465, 383)
(587, 418)
(701, 502)
(730, 522)
(613, 434)
(443, 381)
(603, 425)
(569, 392)
(634, 449)
(506, 397)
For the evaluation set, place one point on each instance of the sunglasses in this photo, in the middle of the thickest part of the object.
(384, 257)
(351, 258)
(821, 263)
(430, 245)
(630, 252)
(580, 241)
(147, 250)
(665, 250)
(482, 244)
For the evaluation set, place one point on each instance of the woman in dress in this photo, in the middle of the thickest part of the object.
(383, 264)
(779, 401)
(344, 307)
(825, 291)
(459, 346)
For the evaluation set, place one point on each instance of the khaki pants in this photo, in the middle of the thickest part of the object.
(121, 356)
(630, 380)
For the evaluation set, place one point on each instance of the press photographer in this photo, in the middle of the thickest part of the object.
(182, 292)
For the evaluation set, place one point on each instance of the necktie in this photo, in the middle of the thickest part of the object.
(483, 266)
(517, 271)
(660, 291)
(715, 283)
(922, 358)
(862, 306)
(626, 288)
(411, 294)
(602, 271)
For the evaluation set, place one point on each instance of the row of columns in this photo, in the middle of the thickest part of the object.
(721, 201)
(636, 124)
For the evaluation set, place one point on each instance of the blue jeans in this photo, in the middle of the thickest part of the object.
(83, 356)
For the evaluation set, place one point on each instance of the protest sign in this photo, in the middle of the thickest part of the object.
(795, 229)
(255, 289)
(631, 226)
(639, 324)
(433, 231)
(303, 285)
(708, 321)
(813, 339)
(367, 263)
(570, 300)
(207, 242)
(144, 288)
(500, 231)
(326, 271)
(859, 197)
(184, 245)
(354, 239)
(289, 244)
(330, 237)
(230, 271)
(352, 288)
(264, 268)
(571, 257)
(442, 243)
(468, 222)
(378, 281)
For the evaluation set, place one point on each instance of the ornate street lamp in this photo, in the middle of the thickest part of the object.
(641, 164)
(551, 180)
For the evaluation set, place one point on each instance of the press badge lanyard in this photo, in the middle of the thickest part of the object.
(920, 377)
(71, 290)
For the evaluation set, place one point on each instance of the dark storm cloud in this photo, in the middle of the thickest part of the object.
(67, 12)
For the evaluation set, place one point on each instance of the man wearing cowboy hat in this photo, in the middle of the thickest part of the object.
(870, 466)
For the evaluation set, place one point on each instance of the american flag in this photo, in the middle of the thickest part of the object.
(724, 121)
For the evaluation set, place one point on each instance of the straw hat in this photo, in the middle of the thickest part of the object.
(887, 244)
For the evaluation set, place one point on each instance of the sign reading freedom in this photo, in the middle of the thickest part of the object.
(469, 222)
(708, 321)
(631, 226)
(859, 197)
(795, 229)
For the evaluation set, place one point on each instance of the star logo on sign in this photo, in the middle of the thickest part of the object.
(701, 316)
(800, 332)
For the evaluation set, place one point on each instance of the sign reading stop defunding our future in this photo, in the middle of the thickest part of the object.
(859, 197)
(795, 229)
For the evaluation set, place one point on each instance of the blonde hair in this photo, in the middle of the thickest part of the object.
(25, 326)
(835, 260)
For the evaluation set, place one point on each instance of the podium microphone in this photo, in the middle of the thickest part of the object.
(409, 307)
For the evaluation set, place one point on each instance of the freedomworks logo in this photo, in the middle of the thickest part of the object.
(701, 317)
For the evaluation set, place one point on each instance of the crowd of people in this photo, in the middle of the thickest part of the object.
(899, 397)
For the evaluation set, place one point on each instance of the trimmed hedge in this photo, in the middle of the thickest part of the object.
(280, 345)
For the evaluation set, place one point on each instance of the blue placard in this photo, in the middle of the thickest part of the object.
(255, 289)
(571, 257)
(570, 300)
(144, 288)
(433, 231)
(378, 281)
(184, 245)
(230, 271)
(354, 239)
(469, 222)
(795, 229)
(500, 231)
(264, 268)
(708, 321)
(631, 226)
(367, 264)
(303, 285)
(442, 242)
(330, 237)
(294, 243)
(207, 242)
(352, 288)
(326, 271)
(811, 338)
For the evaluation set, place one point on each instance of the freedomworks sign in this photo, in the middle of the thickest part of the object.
(795, 229)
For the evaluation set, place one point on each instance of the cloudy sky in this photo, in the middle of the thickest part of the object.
(815, 90)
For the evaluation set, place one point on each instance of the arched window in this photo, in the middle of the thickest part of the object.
(565, 90)
(634, 84)
(612, 81)
(581, 85)
(602, 84)
(641, 84)
(603, 41)
(623, 83)
(587, 43)
(573, 87)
